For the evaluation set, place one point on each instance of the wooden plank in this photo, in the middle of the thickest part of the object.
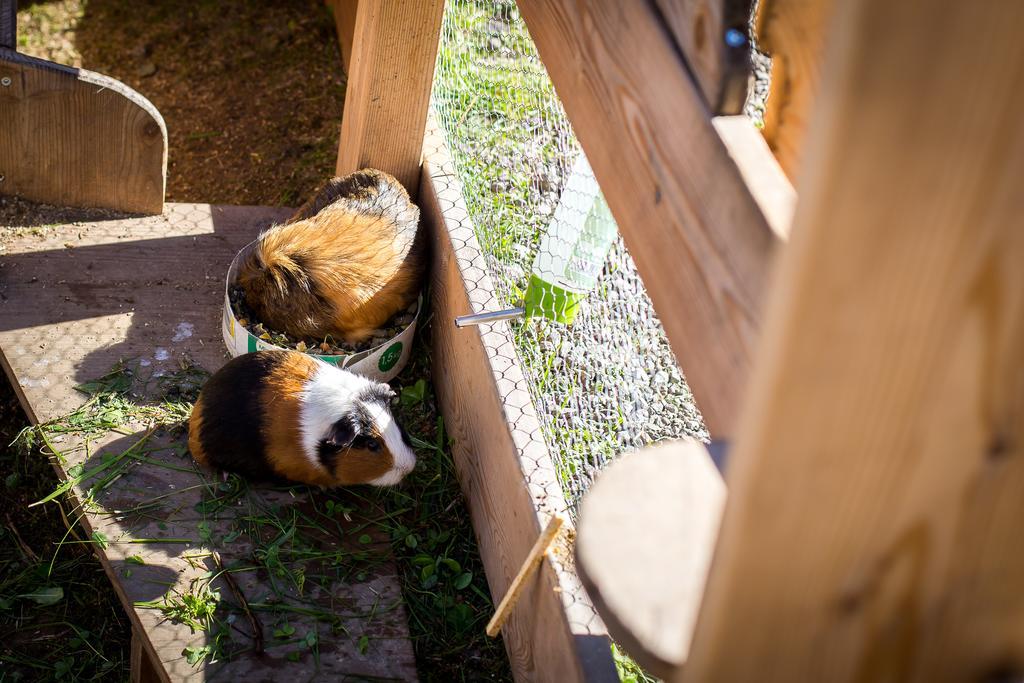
(77, 138)
(709, 33)
(388, 92)
(506, 473)
(344, 12)
(75, 299)
(644, 558)
(875, 509)
(142, 670)
(764, 177)
(699, 239)
(794, 33)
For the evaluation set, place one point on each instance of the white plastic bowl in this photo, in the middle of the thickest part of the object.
(381, 363)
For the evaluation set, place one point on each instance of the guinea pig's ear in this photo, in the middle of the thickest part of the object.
(342, 433)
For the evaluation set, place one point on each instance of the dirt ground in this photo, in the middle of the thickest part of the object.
(251, 90)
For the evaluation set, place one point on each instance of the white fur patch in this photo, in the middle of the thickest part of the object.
(328, 395)
(404, 458)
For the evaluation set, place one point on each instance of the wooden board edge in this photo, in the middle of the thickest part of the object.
(768, 183)
(555, 633)
(344, 12)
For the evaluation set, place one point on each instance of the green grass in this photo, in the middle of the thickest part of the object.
(59, 617)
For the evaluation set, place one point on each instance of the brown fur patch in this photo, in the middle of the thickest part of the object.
(195, 423)
(282, 436)
(361, 466)
(344, 270)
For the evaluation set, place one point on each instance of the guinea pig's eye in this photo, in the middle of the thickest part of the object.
(372, 445)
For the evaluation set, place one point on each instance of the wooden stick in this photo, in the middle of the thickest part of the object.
(537, 552)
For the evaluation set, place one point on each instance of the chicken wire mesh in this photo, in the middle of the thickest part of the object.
(608, 382)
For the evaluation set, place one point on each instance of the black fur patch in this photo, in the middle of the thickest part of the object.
(341, 437)
(405, 436)
(231, 431)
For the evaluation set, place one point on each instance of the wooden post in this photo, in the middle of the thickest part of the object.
(875, 509)
(389, 80)
(794, 33)
(142, 669)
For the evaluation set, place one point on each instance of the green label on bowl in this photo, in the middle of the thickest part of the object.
(390, 357)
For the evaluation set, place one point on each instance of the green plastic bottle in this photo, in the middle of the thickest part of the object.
(571, 256)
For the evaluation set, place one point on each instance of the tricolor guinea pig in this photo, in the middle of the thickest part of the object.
(281, 415)
(345, 263)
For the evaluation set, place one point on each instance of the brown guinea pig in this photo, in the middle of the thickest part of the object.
(281, 415)
(344, 264)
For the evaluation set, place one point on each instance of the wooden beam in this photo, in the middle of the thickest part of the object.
(388, 92)
(794, 33)
(77, 138)
(712, 35)
(506, 473)
(700, 241)
(875, 510)
(344, 12)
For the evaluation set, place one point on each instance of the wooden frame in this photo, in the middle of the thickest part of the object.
(875, 505)
(344, 12)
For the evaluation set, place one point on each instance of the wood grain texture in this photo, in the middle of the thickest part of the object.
(875, 512)
(344, 12)
(698, 27)
(644, 558)
(794, 33)
(388, 92)
(506, 473)
(699, 239)
(76, 299)
(77, 138)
